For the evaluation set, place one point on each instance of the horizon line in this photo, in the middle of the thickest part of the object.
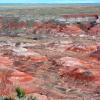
(47, 3)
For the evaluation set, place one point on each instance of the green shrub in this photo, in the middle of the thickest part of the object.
(20, 95)
(20, 92)
(33, 98)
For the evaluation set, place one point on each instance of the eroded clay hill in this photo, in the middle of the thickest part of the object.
(52, 60)
(64, 24)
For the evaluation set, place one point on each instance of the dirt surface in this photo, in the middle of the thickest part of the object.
(52, 59)
(61, 68)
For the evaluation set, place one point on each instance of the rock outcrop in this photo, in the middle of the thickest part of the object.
(66, 24)
(95, 30)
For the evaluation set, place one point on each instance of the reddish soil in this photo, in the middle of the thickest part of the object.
(63, 66)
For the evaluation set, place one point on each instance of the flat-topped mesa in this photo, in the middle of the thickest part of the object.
(73, 18)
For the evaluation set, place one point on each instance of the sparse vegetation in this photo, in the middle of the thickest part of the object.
(20, 92)
(20, 96)
(9, 98)
(33, 98)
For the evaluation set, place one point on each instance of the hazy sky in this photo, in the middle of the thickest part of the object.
(49, 1)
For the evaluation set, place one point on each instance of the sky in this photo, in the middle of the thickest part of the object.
(49, 1)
